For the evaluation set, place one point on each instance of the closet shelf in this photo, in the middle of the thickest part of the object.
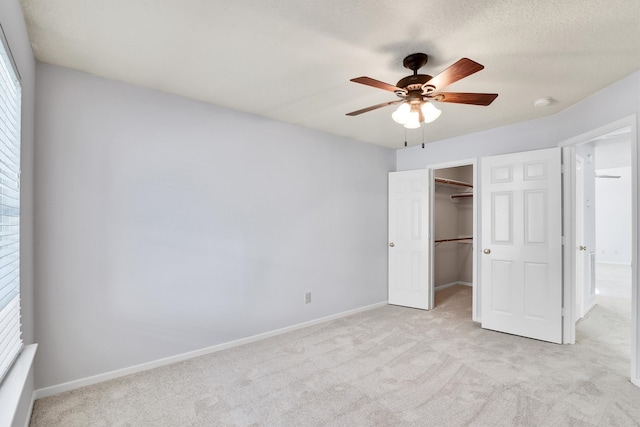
(455, 183)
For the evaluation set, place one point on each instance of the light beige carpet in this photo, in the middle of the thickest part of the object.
(391, 366)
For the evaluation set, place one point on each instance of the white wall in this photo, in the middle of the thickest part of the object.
(617, 101)
(613, 199)
(613, 216)
(445, 226)
(15, 31)
(167, 225)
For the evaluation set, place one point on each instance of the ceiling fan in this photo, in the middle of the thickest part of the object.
(418, 91)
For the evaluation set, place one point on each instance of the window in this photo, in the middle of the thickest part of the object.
(10, 94)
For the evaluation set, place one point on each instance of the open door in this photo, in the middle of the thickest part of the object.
(521, 244)
(409, 239)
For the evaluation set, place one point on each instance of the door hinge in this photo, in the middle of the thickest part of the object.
(562, 312)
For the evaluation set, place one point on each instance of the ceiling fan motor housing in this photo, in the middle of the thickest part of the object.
(415, 61)
(414, 82)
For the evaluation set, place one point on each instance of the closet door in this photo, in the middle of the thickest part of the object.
(521, 244)
(408, 239)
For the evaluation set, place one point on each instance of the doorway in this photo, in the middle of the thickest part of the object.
(609, 236)
(603, 221)
(452, 231)
(612, 255)
(521, 241)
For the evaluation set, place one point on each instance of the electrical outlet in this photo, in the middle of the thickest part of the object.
(307, 298)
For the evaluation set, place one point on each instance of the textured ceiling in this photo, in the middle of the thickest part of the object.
(291, 60)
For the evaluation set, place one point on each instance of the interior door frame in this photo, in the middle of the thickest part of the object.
(568, 186)
(475, 286)
(580, 285)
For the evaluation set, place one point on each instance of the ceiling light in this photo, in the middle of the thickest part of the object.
(409, 114)
(430, 112)
(401, 114)
(413, 120)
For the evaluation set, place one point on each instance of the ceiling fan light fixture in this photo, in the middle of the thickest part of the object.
(412, 124)
(430, 112)
(409, 114)
(401, 115)
(413, 119)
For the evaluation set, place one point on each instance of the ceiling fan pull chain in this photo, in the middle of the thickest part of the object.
(405, 137)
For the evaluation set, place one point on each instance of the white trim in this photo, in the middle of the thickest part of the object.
(588, 309)
(569, 278)
(626, 264)
(595, 133)
(448, 285)
(635, 357)
(12, 60)
(83, 382)
(568, 231)
(27, 421)
(12, 386)
(582, 257)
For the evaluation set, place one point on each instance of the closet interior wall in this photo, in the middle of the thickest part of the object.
(453, 218)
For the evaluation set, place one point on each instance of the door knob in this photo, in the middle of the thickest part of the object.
(391, 244)
(582, 248)
(487, 251)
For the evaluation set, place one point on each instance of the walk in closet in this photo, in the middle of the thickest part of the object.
(453, 227)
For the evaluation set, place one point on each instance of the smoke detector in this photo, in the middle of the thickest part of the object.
(542, 102)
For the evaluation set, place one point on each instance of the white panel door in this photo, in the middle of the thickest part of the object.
(522, 244)
(408, 239)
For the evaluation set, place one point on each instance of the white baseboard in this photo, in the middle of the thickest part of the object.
(448, 285)
(616, 263)
(589, 307)
(83, 382)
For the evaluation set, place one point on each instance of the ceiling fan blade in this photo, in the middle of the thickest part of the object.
(464, 98)
(459, 70)
(377, 83)
(374, 107)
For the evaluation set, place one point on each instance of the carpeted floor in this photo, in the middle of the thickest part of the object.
(613, 286)
(391, 366)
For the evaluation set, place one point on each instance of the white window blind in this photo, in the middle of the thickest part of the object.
(10, 97)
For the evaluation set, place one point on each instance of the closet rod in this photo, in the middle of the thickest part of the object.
(453, 182)
(459, 195)
(453, 240)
